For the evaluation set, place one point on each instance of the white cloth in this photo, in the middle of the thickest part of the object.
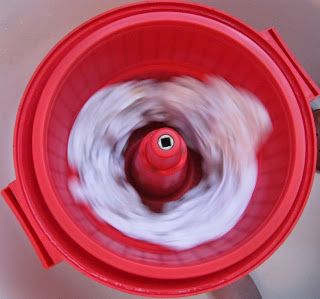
(224, 124)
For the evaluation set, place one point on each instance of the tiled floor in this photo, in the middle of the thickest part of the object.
(28, 29)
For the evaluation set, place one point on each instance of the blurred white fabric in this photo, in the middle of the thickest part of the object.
(224, 124)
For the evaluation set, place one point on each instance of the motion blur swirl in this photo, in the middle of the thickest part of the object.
(224, 124)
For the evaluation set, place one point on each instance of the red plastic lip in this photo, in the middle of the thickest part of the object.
(27, 181)
(243, 250)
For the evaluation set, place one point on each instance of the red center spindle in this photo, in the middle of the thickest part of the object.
(159, 165)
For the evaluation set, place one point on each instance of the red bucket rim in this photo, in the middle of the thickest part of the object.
(23, 174)
(40, 158)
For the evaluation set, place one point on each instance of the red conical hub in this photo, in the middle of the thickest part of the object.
(159, 166)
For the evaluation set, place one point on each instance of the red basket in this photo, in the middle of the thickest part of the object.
(160, 40)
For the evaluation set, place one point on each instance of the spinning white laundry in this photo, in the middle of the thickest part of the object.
(224, 124)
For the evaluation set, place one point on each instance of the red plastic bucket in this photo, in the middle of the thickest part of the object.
(160, 40)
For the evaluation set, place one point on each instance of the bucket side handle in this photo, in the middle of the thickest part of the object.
(44, 249)
(309, 87)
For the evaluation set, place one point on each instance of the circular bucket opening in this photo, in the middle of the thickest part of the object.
(162, 49)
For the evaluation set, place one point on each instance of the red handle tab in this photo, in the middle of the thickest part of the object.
(309, 87)
(45, 250)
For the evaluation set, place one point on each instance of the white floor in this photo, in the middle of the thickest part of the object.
(28, 29)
